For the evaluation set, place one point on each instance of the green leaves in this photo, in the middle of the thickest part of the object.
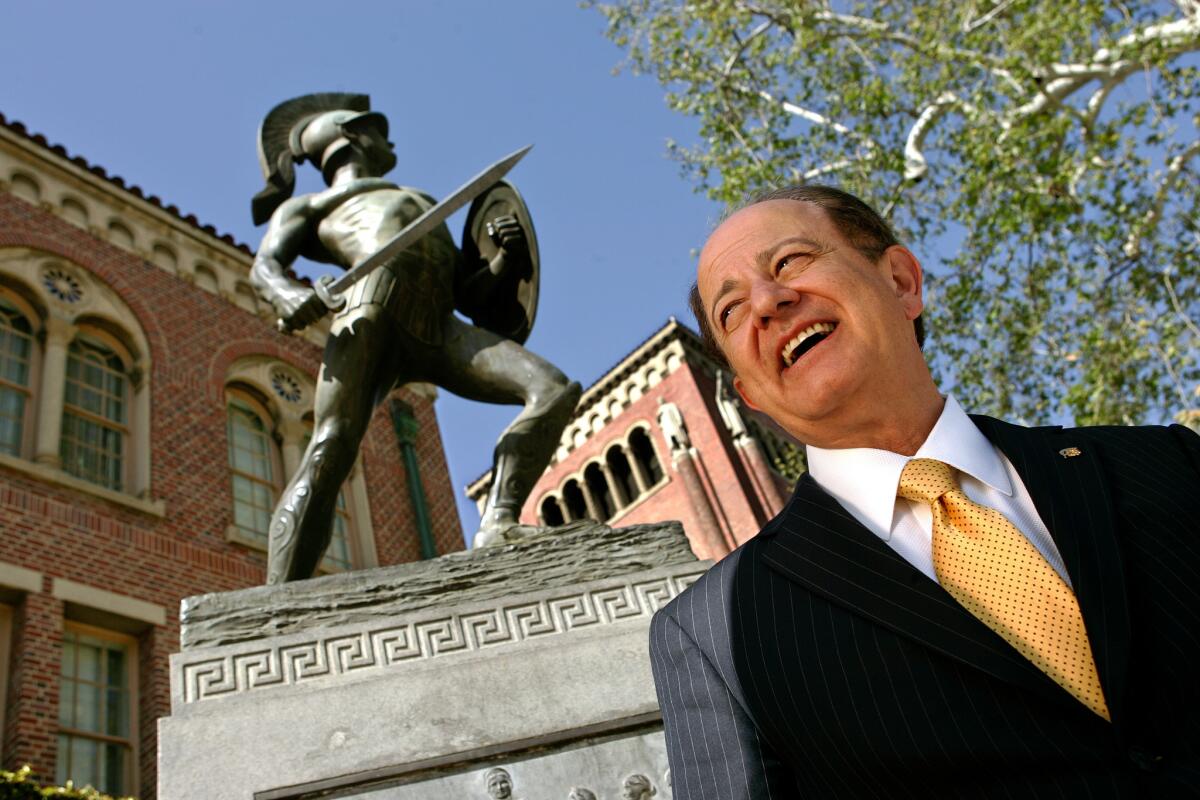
(1039, 157)
(20, 785)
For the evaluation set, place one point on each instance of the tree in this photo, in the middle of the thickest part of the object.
(1041, 158)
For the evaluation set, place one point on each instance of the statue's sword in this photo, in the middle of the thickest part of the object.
(329, 289)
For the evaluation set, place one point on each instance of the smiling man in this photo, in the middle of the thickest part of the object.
(948, 606)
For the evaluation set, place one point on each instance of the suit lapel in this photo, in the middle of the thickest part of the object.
(1072, 498)
(817, 543)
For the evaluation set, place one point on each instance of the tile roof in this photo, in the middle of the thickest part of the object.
(116, 180)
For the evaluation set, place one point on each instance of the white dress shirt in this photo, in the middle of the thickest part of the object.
(865, 482)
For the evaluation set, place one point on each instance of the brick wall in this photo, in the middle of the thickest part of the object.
(735, 510)
(193, 337)
(31, 723)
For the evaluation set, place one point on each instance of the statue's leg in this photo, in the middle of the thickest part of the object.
(358, 362)
(480, 365)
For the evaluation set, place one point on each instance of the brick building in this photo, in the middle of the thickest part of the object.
(149, 415)
(662, 436)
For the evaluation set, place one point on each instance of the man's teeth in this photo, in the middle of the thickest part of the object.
(793, 347)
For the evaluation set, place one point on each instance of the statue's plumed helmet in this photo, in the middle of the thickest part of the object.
(312, 127)
(325, 134)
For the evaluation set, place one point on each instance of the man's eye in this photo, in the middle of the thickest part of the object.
(726, 314)
(794, 260)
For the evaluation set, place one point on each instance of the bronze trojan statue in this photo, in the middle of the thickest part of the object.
(393, 323)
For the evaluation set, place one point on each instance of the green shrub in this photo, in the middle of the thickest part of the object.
(20, 785)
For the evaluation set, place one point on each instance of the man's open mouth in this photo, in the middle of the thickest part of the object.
(804, 341)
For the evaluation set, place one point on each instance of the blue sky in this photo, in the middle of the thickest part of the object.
(169, 96)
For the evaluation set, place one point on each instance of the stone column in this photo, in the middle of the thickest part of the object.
(139, 432)
(59, 333)
(589, 500)
(292, 431)
(707, 541)
(565, 507)
(760, 472)
(635, 467)
(614, 485)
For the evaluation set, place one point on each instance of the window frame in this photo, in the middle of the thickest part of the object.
(132, 663)
(345, 511)
(57, 321)
(100, 336)
(262, 409)
(291, 422)
(29, 414)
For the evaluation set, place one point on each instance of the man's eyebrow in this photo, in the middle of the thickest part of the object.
(763, 259)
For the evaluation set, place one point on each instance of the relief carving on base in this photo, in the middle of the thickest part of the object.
(375, 649)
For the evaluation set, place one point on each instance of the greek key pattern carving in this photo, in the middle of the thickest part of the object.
(379, 648)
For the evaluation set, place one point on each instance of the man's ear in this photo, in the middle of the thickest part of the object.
(741, 390)
(907, 279)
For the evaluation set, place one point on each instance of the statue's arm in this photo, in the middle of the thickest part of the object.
(295, 304)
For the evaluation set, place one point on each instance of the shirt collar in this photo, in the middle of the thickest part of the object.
(864, 480)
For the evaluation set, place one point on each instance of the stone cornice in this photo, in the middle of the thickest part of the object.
(125, 217)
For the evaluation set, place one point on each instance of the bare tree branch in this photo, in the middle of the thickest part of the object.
(1177, 384)
(736, 56)
(970, 26)
(1187, 321)
(1113, 64)
(810, 116)
(915, 165)
(860, 25)
(1133, 244)
(936, 50)
(827, 169)
(1096, 102)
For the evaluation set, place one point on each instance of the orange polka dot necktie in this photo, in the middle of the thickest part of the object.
(989, 567)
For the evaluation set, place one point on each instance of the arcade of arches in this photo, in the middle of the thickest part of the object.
(628, 470)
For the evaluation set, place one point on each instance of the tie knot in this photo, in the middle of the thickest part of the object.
(925, 480)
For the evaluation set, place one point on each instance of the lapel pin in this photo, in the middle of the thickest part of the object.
(1070, 452)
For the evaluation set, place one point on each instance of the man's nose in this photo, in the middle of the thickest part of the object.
(768, 298)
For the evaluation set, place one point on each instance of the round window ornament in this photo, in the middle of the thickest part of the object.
(62, 285)
(286, 386)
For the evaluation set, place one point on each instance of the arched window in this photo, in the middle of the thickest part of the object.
(253, 464)
(643, 451)
(618, 467)
(16, 376)
(601, 493)
(573, 499)
(551, 513)
(74, 380)
(95, 421)
(269, 409)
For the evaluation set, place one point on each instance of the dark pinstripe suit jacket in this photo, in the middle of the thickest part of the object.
(815, 662)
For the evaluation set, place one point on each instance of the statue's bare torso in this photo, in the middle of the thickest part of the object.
(351, 221)
(354, 220)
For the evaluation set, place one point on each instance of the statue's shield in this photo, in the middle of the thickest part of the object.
(510, 308)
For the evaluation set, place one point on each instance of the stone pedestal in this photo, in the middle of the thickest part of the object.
(415, 681)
